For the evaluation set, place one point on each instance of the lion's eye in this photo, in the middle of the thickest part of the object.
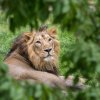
(38, 42)
(49, 39)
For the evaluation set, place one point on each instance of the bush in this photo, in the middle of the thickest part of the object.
(81, 17)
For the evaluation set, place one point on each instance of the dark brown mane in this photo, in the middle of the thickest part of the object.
(20, 44)
(17, 42)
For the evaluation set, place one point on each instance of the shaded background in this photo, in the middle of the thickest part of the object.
(78, 27)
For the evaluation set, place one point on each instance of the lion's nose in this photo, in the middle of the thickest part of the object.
(48, 50)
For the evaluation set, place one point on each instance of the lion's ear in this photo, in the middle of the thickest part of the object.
(27, 36)
(52, 32)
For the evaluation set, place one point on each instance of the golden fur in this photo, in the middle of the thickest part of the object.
(35, 56)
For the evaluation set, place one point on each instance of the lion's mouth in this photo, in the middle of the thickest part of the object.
(49, 55)
(48, 58)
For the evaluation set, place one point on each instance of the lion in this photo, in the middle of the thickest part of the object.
(34, 55)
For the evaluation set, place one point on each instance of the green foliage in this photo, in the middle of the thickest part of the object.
(80, 53)
(34, 11)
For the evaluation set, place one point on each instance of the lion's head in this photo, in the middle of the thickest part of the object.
(41, 48)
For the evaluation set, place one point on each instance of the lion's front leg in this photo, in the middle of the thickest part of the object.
(20, 73)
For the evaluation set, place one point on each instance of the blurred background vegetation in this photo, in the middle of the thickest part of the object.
(78, 26)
